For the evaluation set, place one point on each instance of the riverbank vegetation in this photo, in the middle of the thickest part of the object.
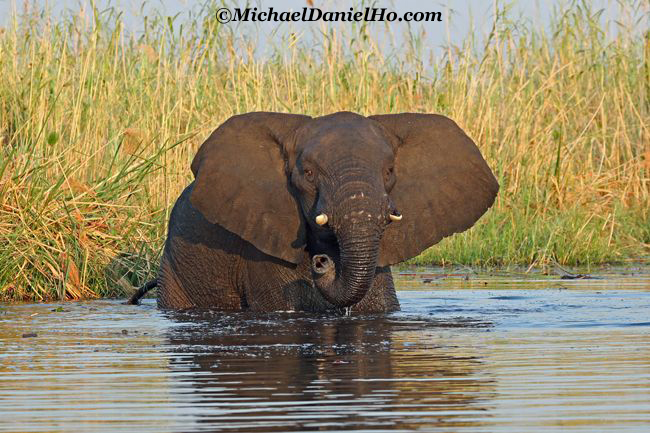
(98, 127)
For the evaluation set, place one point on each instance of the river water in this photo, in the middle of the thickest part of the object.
(467, 353)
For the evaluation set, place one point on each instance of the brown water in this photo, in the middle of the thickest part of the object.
(488, 354)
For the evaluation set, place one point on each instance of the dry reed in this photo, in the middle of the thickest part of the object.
(98, 127)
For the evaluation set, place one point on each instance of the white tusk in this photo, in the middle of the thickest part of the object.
(321, 219)
(395, 217)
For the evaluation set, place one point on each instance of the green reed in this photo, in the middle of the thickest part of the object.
(98, 128)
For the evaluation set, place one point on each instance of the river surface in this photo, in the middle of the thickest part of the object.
(467, 353)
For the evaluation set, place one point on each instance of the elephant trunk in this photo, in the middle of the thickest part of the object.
(345, 280)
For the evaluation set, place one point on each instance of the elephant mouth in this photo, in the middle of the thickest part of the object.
(324, 252)
(325, 255)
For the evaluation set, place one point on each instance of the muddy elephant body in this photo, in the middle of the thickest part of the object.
(289, 212)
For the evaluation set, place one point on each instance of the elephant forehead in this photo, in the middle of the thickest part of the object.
(347, 148)
(345, 139)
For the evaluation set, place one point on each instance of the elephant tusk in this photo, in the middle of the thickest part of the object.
(321, 219)
(395, 217)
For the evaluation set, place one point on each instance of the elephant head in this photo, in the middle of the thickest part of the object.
(354, 192)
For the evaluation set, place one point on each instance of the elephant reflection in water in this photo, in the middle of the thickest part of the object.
(297, 372)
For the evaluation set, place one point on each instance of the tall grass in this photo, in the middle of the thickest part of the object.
(98, 128)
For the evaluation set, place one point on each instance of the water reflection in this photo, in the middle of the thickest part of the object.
(289, 372)
(459, 360)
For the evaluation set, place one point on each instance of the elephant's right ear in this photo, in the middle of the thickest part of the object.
(443, 183)
(241, 182)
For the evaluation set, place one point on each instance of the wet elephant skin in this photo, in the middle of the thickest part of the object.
(293, 213)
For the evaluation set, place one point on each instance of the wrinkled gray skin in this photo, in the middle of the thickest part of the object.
(244, 235)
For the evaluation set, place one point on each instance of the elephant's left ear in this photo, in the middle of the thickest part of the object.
(241, 182)
(443, 183)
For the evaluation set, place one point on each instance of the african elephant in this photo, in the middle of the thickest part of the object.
(290, 212)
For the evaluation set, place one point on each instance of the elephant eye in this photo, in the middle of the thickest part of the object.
(309, 174)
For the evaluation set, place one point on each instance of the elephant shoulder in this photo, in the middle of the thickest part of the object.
(188, 223)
